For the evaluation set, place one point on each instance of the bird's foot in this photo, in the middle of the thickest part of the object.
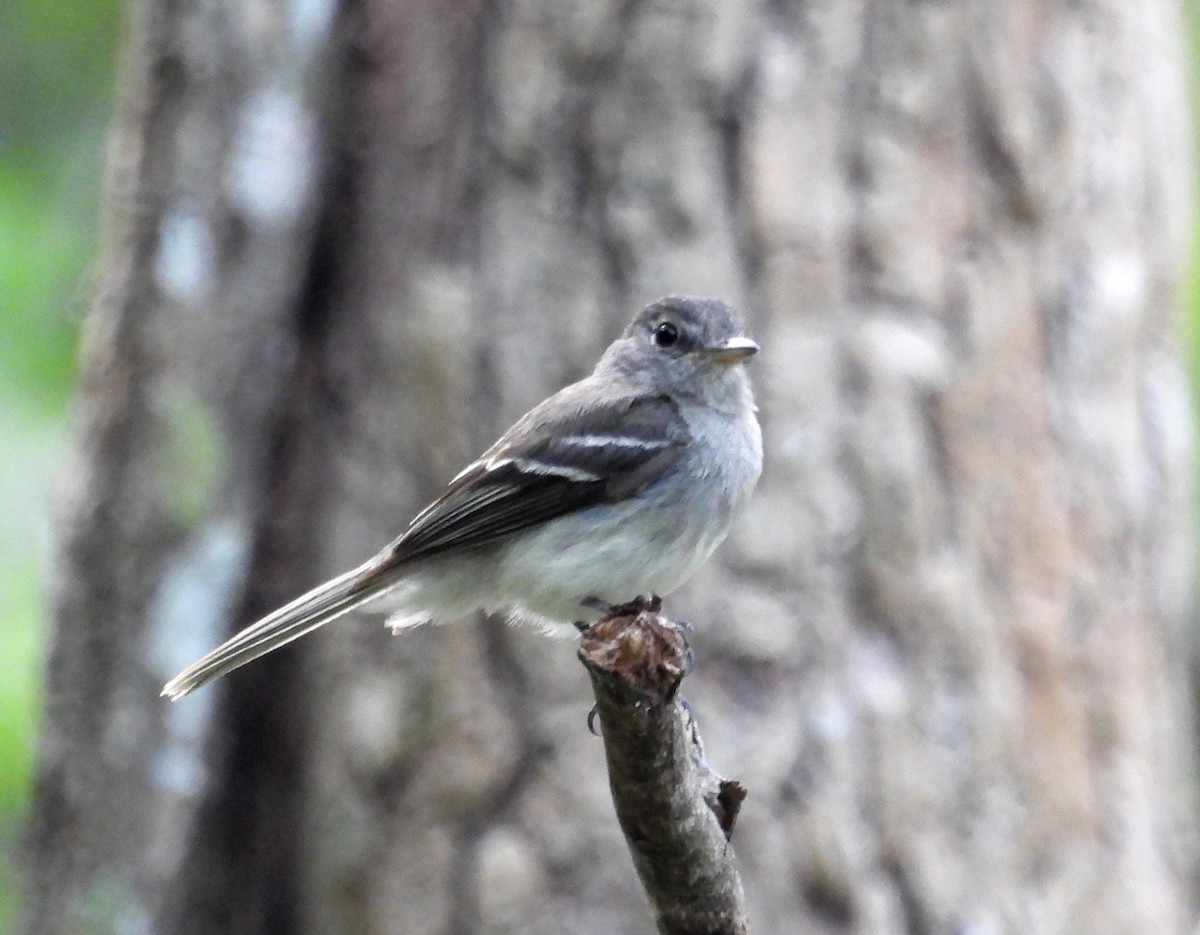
(602, 607)
(643, 603)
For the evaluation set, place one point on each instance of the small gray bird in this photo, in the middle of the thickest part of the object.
(615, 487)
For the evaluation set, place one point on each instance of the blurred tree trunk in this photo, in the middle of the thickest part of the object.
(945, 649)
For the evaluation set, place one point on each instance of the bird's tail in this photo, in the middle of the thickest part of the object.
(303, 615)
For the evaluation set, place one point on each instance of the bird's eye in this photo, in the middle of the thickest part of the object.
(665, 334)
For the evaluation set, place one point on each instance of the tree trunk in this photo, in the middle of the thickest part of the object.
(944, 650)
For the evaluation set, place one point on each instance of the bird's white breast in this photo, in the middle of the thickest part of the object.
(648, 545)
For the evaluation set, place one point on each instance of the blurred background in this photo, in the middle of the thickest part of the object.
(57, 76)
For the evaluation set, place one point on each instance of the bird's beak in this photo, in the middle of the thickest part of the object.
(733, 350)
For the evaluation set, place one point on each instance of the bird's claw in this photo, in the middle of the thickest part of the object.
(643, 603)
(594, 603)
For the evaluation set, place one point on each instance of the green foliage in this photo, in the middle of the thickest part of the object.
(1192, 11)
(20, 617)
(56, 63)
(56, 78)
(46, 236)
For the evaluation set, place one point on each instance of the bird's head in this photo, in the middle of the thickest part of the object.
(685, 346)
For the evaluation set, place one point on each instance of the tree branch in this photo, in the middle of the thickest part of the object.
(676, 813)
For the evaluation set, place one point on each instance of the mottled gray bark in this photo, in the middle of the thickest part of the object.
(676, 813)
(348, 246)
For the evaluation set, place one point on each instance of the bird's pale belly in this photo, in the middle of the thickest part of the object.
(634, 552)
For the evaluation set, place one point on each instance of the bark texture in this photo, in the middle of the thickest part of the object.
(349, 244)
(677, 815)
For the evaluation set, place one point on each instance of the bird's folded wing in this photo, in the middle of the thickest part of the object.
(536, 473)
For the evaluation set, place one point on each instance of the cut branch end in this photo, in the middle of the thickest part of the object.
(676, 813)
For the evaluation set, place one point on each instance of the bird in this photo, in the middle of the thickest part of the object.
(616, 487)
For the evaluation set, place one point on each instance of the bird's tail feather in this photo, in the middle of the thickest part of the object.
(303, 615)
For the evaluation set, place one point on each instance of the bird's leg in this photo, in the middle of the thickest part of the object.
(650, 603)
(643, 603)
(603, 608)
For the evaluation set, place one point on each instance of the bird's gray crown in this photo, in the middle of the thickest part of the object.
(701, 322)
